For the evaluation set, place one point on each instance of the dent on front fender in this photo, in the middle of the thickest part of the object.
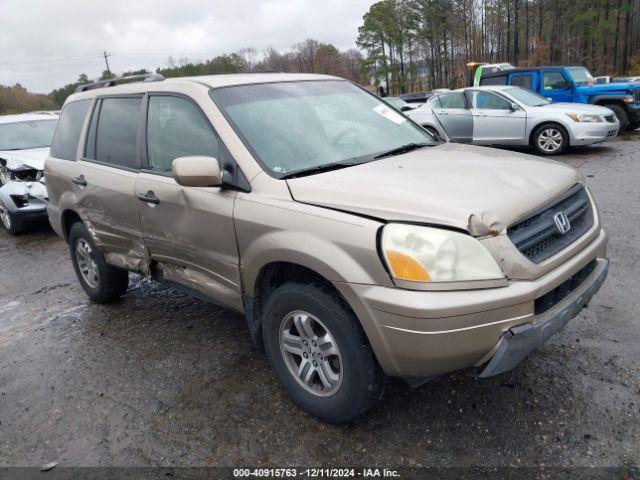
(338, 246)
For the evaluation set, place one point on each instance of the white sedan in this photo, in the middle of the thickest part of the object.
(507, 115)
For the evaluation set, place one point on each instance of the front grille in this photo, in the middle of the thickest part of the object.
(610, 118)
(555, 296)
(537, 236)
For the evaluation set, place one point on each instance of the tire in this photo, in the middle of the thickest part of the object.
(557, 139)
(355, 380)
(621, 114)
(434, 133)
(101, 282)
(9, 221)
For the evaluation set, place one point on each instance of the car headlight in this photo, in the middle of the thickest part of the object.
(585, 117)
(424, 254)
(629, 99)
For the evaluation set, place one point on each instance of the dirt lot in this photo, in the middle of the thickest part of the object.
(161, 378)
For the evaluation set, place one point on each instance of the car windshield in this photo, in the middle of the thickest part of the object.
(580, 75)
(527, 97)
(396, 102)
(23, 135)
(309, 126)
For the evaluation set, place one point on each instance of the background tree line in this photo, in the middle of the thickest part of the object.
(16, 99)
(423, 44)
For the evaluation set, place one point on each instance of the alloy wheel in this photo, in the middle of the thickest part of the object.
(550, 140)
(4, 216)
(87, 263)
(311, 353)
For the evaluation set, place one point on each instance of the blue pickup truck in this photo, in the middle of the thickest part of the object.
(568, 84)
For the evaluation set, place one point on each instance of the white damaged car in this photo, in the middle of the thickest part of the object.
(24, 145)
(509, 115)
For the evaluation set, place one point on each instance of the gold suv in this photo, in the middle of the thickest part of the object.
(356, 245)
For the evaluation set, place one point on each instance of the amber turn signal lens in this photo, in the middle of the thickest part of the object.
(403, 267)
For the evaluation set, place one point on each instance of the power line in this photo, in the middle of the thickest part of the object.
(42, 62)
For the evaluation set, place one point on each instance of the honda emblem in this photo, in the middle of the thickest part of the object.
(562, 222)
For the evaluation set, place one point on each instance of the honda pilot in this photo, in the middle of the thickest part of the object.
(356, 245)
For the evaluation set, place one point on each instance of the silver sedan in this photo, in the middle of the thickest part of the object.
(507, 115)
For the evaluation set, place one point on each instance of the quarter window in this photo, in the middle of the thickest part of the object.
(553, 81)
(113, 132)
(488, 101)
(67, 136)
(176, 128)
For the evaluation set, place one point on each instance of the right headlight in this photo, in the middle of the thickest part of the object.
(424, 255)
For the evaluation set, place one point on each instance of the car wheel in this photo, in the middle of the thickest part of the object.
(550, 139)
(319, 352)
(101, 282)
(9, 220)
(622, 116)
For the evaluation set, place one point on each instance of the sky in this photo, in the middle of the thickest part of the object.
(45, 44)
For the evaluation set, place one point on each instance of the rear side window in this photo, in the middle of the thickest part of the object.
(524, 81)
(113, 132)
(452, 100)
(67, 136)
(176, 128)
(501, 80)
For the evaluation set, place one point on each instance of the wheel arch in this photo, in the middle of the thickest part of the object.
(67, 219)
(544, 122)
(268, 278)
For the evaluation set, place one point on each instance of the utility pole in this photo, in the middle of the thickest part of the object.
(106, 61)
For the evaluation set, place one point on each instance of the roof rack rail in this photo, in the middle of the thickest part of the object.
(145, 77)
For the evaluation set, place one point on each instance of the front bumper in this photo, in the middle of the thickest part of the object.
(586, 133)
(417, 334)
(37, 199)
(518, 342)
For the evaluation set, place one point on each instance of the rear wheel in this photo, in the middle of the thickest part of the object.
(318, 351)
(101, 282)
(621, 114)
(550, 139)
(9, 221)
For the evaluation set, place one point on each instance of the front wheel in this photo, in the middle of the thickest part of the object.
(621, 115)
(101, 282)
(318, 351)
(8, 220)
(550, 139)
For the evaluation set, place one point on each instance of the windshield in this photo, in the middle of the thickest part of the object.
(304, 126)
(527, 97)
(23, 135)
(580, 75)
(396, 102)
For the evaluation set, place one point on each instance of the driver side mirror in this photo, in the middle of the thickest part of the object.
(197, 171)
(515, 107)
(405, 108)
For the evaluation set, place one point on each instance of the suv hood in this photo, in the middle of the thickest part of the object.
(616, 87)
(477, 189)
(31, 158)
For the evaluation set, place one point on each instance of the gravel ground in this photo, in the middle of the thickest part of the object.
(161, 378)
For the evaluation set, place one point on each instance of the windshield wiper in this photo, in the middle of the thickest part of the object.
(409, 147)
(319, 168)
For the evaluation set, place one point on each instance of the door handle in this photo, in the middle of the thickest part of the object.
(79, 181)
(149, 197)
(442, 113)
(481, 115)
